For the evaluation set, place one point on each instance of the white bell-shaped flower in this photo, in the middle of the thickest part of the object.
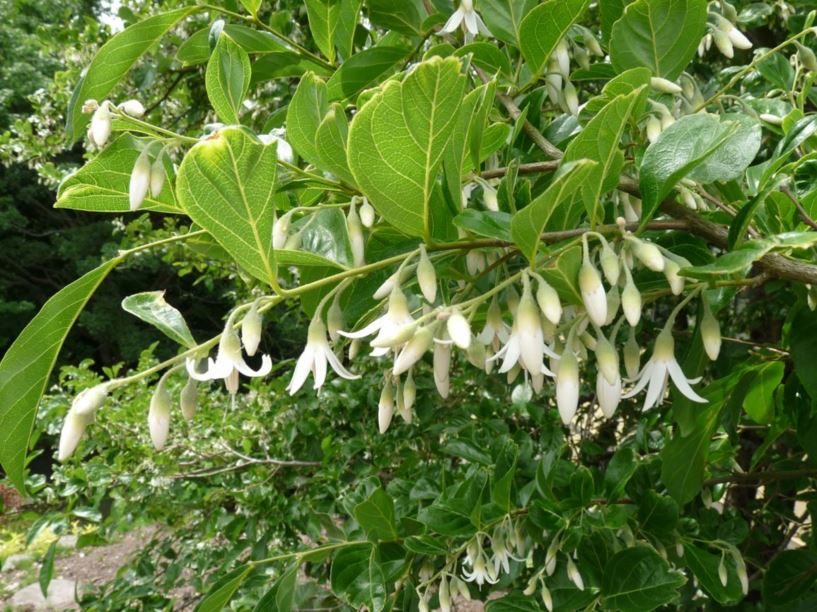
(315, 357)
(251, 329)
(567, 385)
(139, 181)
(496, 331)
(661, 366)
(470, 20)
(367, 213)
(134, 108)
(394, 328)
(101, 124)
(459, 330)
(385, 407)
(229, 362)
(426, 276)
(413, 351)
(159, 415)
(593, 295)
(355, 230)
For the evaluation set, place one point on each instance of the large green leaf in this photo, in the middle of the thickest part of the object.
(330, 142)
(323, 18)
(503, 17)
(661, 35)
(304, 115)
(543, 28)
(682, 147)
(728, 161)
(733, 262)
(638, 580)
(528, 224)
(404, 16)
(397, 140)
(223, 590)
(376, 516)
(227, 78)
(226, 184)
(598, 141)
(357, 575)
(759, 400)
(791, 574)
(196, 49)
(151, 307)
(704, 565)
(27, 364)
(364, 69)
(102, 184)
(112, 62)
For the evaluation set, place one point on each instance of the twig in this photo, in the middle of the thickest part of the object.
(204, 473)
(532, 168)
(800, 209)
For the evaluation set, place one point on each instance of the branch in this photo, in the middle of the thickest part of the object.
(204, 473)
(800, 209)
(532, 168)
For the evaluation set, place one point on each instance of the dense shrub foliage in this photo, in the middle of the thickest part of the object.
(521, 305)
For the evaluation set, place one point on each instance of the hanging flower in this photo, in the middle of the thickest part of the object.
(251, 329)
(470, 20)
(188, 399)
(314, 359)
(661, 366)
(283, 149)
(229, 362)
(567, 385)
(394, 328)
(481, 570)
(159, 415)
(139, 181)
(496, 331)
(101, 122)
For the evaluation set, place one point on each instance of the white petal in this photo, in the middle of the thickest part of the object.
(643, 379)
(319, 366)
(683, 384)
(658, 386)
(453, 22)
(366, 331)
(511, 354)
(471, 22)
(338, 367)
(263, 370)
(301, 371)
(195, 374)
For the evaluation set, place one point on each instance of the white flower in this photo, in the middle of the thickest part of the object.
(100, 129)
(632, 356)
(496, 331)
(481, 570)
(648, 254)
(139, 181)
(413, 351)
(427, 276)
(189, 399)
(283, 149)
(442, 363)
(393, 328)
(710, 333)
(88, 401)
(574, 575)
(72, 429)
(366, 213)
(567, 385)
(385, 407)
(548, 301)
(609, 263)
(562, 56)
(134, 108)
(444, 595)
(631, 300)
(664, 86)
(409, 392)
(229, 362)
(653, 128)
(470, 20)
(659, 368)
(607, 358)
(571, 98)
(251, 329)
(159, 415)
(314, 359)
(593, 295)
(157, 177)
(675, 280)
(459, 330)
(280, 230)
(608, 395)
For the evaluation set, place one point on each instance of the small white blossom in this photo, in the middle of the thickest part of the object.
(314, 359)
(139, 181)
(567, 385)
(470, 20)
(394, 328)
(385, 407)
(593, 295)
(283, 149)
(101, 124)
(229, 362)
(134, 108)
(367, 213)
(157, 177)
(159, 415)
(459, 330)
(710, 332)
(251, 329)
(426, 276)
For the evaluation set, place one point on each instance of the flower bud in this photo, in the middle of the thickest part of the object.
(710, 333)
(251, 329)
(100, 129)
(547, 599)
(427, 276)
(444, 595)
(549, 302)
(607, 359)
(592, 44)
(571, 98)
(133, 108)
(613, 303)
(631, 207)
(739, 40)
(653, 128)
(530, 589)
(723, 574)
(574, 575)
(632, 356)
(354, 349)
(562, 55)
(188, 399)
(723, 42)
(280, 231)
(355, 230)
(413, 351)
(409, 392)
(608, 395)
(400, 401)
(475, 262)
(388, 286)
(462, 588)
(459, 330)
(385, 408)
(773, 119)
(139, 181)
(334, 319)
(442, 362)
(159, 415)
(648, 254)
(88, 401)
(367, 213)
(550, 556)
(631, 302)
(593, 296)
(476, 355)
(89, 106)
(664, 86)
(609, 264)
(394, 337)
(582, 57)
(157, 177)
(567, 386)
(72, 429)
(676, 281)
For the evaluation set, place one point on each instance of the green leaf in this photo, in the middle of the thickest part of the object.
(284, 64)
(730, 159)
(323, 18)
(27, 364)
(803, 347)
(426, 545)
(196, 49)
(285, 591)
(252, 6)
(488, 223)
(486, 56)
(562, 274)
(376, 516)
(330, 142)
(610, 11)
(637, 580)
(223, 590)
(543, 28)
(103, 183)
(113, 61)
(356, 575)
(304, 115)
(680, 148)
(503, 475)
(152, 308)
(734, 262)
(513, 602)
(323, 235)
(528, 224)
(598, 142)
(759, 400)
(661, 35)
(226, 185)
(363, 70)
(403, 16)
(47, 568)
(227, 78)
(347, 24)
(704, 565)
(503, 17)
(397, 141)
(658, 514)
(581, 486)
(790, 575)
(621, 468)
